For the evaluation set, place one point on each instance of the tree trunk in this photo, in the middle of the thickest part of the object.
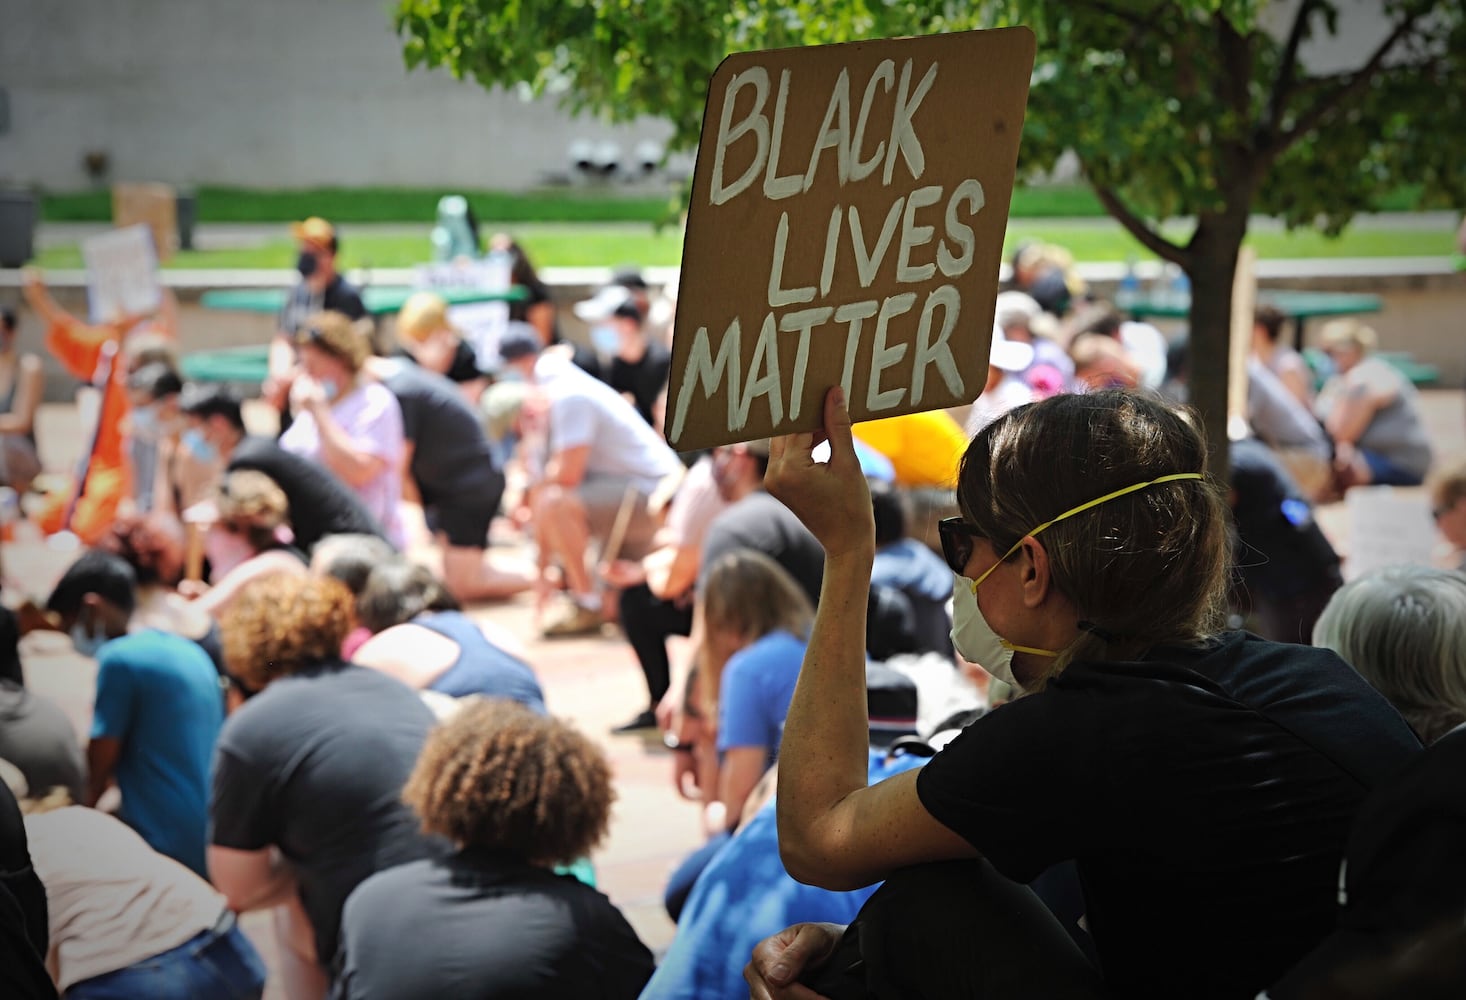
(1211, 266)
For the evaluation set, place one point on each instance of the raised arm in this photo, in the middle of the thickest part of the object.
(835, 830)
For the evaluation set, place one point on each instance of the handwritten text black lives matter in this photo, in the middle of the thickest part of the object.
(904, 238)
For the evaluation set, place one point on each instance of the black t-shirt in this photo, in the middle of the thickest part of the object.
(463, 369)
(339, 296)
(38, 738)
(24, 935)
(315, 765)
(451, 455)
(1205, 793)
(483, 924)
(1281, 551)
(320, 504)
(644, 379)
(761, 523)
(1405, 871)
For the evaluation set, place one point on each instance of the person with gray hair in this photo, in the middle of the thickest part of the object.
(1400, 628)
(349, 559)
(421, 637)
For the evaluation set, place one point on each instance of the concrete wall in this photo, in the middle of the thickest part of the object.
(265, 93)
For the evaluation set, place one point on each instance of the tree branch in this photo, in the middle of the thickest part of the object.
(1143, 21)
(1288, 69)
(1237, 65)
(1357, 81)
(1148, 237)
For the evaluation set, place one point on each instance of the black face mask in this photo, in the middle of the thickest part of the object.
(306, 264)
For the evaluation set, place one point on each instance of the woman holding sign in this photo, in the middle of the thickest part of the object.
(1202, 781)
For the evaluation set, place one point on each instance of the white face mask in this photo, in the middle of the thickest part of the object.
(975, 640)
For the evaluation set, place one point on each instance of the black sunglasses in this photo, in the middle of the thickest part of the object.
(956, 536)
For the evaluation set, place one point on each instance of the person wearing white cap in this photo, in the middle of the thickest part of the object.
(1007, 360)
(1023, 319)
(638, 365)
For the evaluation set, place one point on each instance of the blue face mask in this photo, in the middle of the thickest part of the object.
(88, 641)
(605, 339)
(330, 390)
(146, 422)
(199, 446)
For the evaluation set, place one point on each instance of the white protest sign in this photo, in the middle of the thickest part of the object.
(845, 226)
(482, 324)
(122, 274)
(1388, 527)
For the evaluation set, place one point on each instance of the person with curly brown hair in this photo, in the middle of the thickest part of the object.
(309, 772)
(516, 792)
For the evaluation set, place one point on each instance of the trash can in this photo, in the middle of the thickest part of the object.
(18, 211)
(187, 211)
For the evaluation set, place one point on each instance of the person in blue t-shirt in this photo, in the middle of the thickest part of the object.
(157, 714)
(757, 617)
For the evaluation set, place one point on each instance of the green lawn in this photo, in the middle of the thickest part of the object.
(611, 245)
(578, 204)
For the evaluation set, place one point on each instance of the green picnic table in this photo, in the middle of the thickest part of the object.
(378, 299)
(1300, 307)
(243, 365)
(251, 365)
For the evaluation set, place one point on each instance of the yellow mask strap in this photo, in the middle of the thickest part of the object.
(1070, 513)
(1011, 647)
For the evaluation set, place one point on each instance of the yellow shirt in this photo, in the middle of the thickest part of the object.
(924, 447)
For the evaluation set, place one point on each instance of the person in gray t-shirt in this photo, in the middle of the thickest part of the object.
(1372, 412)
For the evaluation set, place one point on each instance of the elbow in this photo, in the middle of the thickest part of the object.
(815, 872)
(809, 863)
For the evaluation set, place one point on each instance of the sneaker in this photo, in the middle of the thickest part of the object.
(646, 720)
(573, 620)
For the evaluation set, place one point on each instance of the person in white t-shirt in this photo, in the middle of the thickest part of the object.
(602, 463)
(126, 921)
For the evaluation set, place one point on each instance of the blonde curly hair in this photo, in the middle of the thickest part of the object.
(282, 624)
(502, 777)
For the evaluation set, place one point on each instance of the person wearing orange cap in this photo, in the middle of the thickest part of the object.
(321, 289)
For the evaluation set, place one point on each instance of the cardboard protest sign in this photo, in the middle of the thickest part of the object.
(846, 226)
(153, 205)
(122, 274)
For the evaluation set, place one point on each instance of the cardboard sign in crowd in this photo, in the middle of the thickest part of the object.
(846, 226)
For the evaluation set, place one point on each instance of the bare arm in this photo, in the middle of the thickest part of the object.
(567, 466)
(1297, 382)
(29, 385)
(251, 880)
(102, 755)
(223, 594)
(410, 492)
(671, 571)
(835, 831)
(1352, 414)
(38, 296)
(355, 465)
(541, 316)
(742, 768)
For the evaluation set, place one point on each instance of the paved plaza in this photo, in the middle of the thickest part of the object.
(593, 681)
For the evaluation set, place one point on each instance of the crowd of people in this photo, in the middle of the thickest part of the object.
(995, 667)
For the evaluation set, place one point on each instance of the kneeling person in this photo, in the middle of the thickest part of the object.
(517, 793)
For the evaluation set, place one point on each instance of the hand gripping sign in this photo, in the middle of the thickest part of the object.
(846, 223)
